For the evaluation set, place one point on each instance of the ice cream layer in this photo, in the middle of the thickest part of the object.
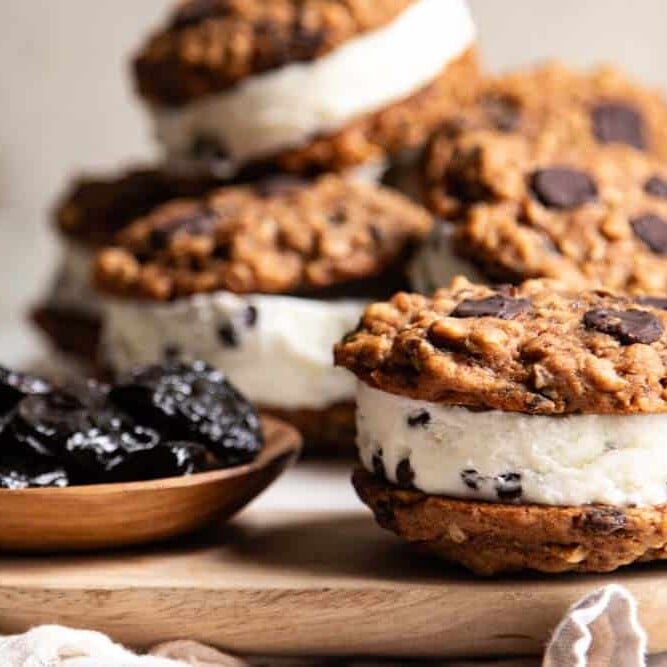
(284, 108)
(276, 349)
(512, 457)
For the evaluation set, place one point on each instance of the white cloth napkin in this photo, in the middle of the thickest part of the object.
(602, 629)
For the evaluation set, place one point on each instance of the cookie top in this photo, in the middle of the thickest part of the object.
(280, 235)
(537, 348)
(550, 104)
(208, 46)
(594, 217)
(95, 209)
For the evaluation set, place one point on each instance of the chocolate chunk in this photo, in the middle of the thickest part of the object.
(601, 521)
(503, 307)
(653, 301)
(562, 187)
(471, 478)
(229, 336)
(617, 122)
(421, 418)
(405, 475)
(502, 111)
(508, 486)
(378, 465)
(656, 187)
(279, 186)
(627, 326)
(651, 229)
(251, 316)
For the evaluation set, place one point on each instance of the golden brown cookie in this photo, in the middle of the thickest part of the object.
(281, 235)
(492, 538)
(551, 107)
(536, 348)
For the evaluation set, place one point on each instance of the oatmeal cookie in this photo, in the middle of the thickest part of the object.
(539, 348)
(491, 538)
(282, 235)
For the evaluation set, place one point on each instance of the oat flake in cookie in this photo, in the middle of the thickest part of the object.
(516, 427)
(324, 85)
(260, 281)
(88, 217)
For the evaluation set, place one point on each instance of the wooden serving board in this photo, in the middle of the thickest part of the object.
(295, 583)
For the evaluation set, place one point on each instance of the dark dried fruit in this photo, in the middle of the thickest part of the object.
(420, 418)
(503, 307)
(251, 316)
(562, 187)
(508, 486)
(652, 229)
(617, 122)
(106, 453)
(228, 335)
(192, 402)
(31, 474)
(14, 386)
(627, 326)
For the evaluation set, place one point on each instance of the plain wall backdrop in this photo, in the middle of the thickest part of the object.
(66, 103)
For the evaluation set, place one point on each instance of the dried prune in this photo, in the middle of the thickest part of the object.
(14, 386)
(195, 403)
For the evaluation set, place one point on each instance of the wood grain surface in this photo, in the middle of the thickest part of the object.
(305, 584)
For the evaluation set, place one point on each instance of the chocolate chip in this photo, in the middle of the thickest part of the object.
(617, 122)
(251, 316)
(653, 301)
(508, 486)
(279, 186)
(405, 475)
(651, 229)
(420, 418)
(502, 111)
(207, 147)
(503, 307)
(601, 521)
(562, 187)
(627, 326)
(471, 478)
(378, 465)
(656, 187)
(229, 336)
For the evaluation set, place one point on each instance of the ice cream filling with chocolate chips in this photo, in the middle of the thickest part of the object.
(284, 108)
(275, 349)
(513, 457)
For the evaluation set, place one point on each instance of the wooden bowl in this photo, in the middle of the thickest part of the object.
(115, 515)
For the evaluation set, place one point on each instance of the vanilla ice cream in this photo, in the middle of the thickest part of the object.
(513, 457)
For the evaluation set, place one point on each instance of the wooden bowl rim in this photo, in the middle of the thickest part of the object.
(280, 439)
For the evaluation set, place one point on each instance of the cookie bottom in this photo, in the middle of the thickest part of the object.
(75, 334)
(327, 432)
(491, 538)
(403, 126)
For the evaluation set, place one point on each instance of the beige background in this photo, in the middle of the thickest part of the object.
(66, 103)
